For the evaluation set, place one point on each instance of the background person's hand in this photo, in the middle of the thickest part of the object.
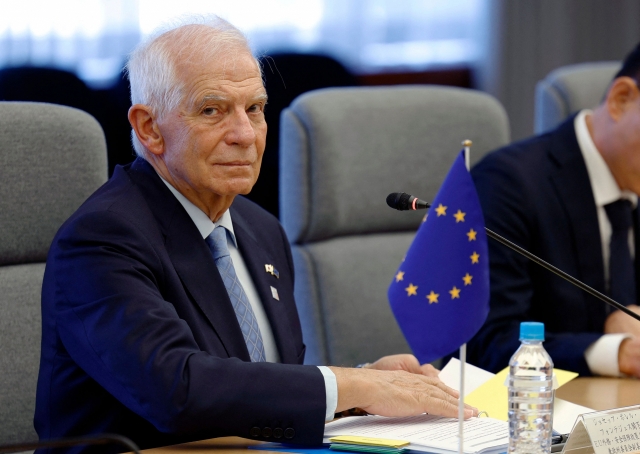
(629, 357)
(619, 322)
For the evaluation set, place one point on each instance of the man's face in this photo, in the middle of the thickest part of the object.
(627, 132)
(214, 141)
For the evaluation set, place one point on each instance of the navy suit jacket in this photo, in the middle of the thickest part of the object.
(537, 194)
(140, 337)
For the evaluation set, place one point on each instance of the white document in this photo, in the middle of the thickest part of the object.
(473, 376)
(428, 433)
(565, 413)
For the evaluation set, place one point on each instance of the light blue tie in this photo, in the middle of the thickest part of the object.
(217, 242)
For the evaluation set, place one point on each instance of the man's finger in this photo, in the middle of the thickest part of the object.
(445, 405)
(429, 370)
(435, 381)
(452, 396)
(411, 364)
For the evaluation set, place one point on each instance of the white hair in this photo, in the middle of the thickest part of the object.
(152, 64)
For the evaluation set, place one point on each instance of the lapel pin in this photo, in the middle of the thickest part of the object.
(274, 293)
(272, 271)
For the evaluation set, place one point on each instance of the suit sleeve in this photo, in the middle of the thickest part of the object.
(114, 322)
(506, 198)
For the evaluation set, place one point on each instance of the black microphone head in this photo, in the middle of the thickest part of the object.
(399, 201)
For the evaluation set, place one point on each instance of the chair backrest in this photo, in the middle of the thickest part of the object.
(51, 159)
(569, 89)
(342, 152)
(286, 76)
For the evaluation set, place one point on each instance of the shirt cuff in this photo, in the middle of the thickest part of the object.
(331, 387)
(602, 355)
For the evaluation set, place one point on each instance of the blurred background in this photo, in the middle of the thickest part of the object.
(72, 51)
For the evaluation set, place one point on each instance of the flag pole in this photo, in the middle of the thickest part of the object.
(463, 348)
(463, 360)
(467, 153)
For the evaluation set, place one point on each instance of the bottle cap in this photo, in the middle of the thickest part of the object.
(532, 331)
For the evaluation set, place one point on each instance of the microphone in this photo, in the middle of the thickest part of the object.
(395, 201)
(402, 201)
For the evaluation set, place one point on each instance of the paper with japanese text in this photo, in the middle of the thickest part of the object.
(614, 431)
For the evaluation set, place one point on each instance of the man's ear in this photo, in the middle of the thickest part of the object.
(146, 128)
(621, 94)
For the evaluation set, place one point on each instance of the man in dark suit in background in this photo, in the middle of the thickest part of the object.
(570, 197)
(167, 304)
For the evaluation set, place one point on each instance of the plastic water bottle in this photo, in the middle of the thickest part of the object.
(530, 385)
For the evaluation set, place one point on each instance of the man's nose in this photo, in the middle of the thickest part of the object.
(241, 130)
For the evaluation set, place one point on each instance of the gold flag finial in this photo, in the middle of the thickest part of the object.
(467, 143)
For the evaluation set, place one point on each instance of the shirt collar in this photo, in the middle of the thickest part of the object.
(603, 184)
(204, 225)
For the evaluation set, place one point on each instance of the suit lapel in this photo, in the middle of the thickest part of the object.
(192, 260)
(256, 257)
(194, 264)
(572, 185)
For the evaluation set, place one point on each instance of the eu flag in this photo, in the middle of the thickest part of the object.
(440, 293)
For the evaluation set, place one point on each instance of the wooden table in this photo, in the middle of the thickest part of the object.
(601, 393)
(224, 445)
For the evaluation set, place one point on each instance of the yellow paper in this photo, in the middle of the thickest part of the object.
(493, 398)
(369, 441)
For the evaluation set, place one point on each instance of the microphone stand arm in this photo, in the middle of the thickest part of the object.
(591, 291)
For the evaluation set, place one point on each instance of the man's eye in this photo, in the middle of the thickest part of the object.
(256, 108)
(209, 110)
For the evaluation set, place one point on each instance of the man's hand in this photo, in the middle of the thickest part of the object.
(629, 357)
(404, 362)
(619, 322)
(396, 393)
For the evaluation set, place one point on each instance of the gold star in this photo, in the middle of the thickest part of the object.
(459, 216)
(467, 279)
(424, 219)
(400, 276)
(472, 235)
(412, 290)
(455, 293)
(441, 210)
(433, 297)
(475, 257)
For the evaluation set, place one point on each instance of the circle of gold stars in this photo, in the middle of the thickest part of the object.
(467, 279)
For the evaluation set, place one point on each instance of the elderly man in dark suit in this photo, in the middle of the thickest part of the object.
(168, 310)
(569, 196)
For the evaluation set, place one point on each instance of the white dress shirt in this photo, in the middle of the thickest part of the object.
(602, 355)
(205, 226)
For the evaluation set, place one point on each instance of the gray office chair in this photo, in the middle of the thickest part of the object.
(343, 150)
(51, 159)
(569, 89)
